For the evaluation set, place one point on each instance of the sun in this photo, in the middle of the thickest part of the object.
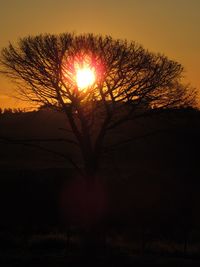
(85, 77)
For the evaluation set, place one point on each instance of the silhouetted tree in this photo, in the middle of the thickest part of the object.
(130, 82)
(18, 110)
(7, 111)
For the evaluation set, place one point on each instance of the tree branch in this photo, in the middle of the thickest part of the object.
(25, 143)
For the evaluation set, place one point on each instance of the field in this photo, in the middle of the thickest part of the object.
(151, 186)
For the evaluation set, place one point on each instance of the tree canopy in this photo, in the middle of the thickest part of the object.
(129, 81)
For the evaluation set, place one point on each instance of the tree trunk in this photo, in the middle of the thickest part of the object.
(83, 204)
(95, 208)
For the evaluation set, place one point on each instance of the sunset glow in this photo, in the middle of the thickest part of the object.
(85, 77)
(173, 33)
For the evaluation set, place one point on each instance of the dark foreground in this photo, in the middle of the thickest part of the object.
(62, 259)
(56, 252)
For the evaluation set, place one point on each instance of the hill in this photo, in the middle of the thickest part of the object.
(151, 176)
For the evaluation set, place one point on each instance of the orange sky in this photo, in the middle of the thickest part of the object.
(166, 26)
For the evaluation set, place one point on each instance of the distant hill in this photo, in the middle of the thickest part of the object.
(43, 124)
(166, 140)
(152, 180)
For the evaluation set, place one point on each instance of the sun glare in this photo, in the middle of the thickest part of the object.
(85, 77)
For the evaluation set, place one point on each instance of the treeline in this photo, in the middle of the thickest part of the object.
(12, 110)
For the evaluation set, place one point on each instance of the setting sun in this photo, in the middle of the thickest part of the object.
(85, 77)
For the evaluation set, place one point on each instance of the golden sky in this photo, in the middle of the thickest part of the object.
(171, 27)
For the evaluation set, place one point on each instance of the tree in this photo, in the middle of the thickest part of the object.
(7, 111)
(126, 81)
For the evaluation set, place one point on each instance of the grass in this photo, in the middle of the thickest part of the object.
(56, 249)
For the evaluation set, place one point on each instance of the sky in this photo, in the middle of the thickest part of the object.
(170, 27)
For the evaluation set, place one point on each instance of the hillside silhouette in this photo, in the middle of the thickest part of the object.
(169, 138)
(151, 176)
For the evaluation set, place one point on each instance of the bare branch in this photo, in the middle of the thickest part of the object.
(30, 144)
(130, 82)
